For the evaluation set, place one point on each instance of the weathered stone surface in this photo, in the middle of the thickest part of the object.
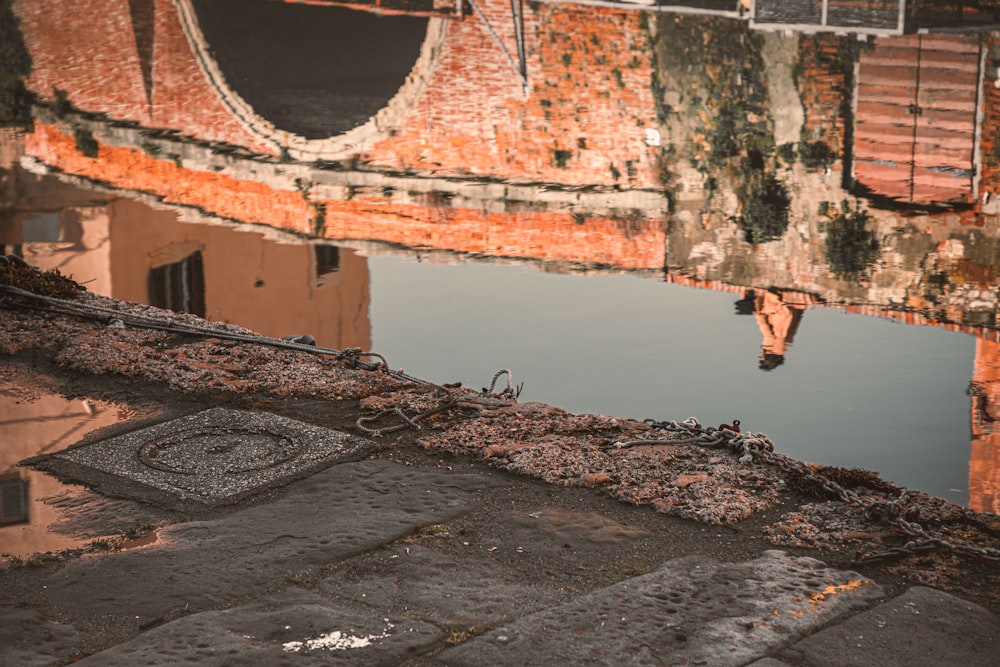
(28, 639)
(922, 627)
(335, 514)
(693, 610)
(213, 457)
(455, 592)
(292, 628)
(548, 528)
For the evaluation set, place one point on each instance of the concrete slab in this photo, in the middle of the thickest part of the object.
(293, 628)
(214, 457)
(197, 565)
(693, 610)
(922, 627)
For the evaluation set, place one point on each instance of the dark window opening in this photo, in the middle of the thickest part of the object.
(327, 259)
(13, 499)
(179, 286)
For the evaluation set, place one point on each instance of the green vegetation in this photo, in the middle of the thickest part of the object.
(428, 534)
(723, 84)
(319, 220)
(816, 154)
(851, 248)
(85, 142)
(560, 157)
(765, 208)
(714, 91)
(34, 560)
(461, 635)
(15, 64)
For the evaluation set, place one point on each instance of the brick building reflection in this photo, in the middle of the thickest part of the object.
(984, 466)
(453, 167)
(131, 251)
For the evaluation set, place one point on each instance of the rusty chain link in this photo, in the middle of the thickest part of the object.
(752, 447)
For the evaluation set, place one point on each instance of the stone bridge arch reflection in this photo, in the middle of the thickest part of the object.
(313, 82)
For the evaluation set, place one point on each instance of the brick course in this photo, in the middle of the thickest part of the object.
(626, 244)
(590, 64)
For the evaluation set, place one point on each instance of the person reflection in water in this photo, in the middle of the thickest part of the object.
(778, 323)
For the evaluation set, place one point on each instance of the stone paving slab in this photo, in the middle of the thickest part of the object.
(693, 610)
(922, 627)
(292, 628)
(213, 457)
(450, 591)
(470, 588)
(335, 514)
(28, 639)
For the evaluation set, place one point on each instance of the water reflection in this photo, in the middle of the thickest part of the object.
(984, 468)
(273, 283)
(778, 323)
(30, 501)
(792, 169)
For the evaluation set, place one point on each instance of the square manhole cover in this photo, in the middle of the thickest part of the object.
(213, 457)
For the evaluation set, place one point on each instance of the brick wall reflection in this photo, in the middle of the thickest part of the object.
(111, 243)
(92, 57)
(630, 244)
(590, 75)
(584, 121)
(984, 466)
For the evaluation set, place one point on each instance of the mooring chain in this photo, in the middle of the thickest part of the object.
(757, 446)
(887, 512)
(748, 445)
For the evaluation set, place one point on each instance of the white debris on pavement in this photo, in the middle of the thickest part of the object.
(335, 641)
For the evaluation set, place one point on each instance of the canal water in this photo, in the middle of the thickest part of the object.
(648, 215)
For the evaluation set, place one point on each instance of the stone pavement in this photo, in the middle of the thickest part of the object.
(430, 562)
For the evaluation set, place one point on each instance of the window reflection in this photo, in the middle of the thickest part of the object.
(13, 498)
(327, 259)
(179, 286)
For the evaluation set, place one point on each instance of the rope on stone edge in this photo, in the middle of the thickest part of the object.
(117, 319)
(509, 392)
(752, 447)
